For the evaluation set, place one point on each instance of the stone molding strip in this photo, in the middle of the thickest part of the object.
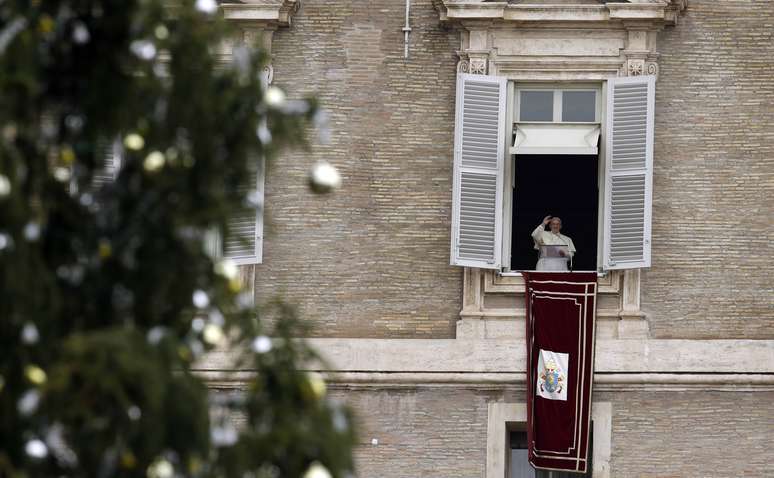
(665, 11)
(612, 356)
(625, 363)
(619, 382)
(278, 12)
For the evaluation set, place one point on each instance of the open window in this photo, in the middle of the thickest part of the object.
(518, 459)
(554, 165)
(506, 441)
(581, 152)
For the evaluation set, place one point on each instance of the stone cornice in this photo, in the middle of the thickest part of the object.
(653, 11)
(619, 364)
(612, 356)
(261, 12)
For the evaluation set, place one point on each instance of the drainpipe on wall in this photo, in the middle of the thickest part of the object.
(406, 30)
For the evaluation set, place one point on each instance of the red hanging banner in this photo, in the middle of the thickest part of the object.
(561, 309)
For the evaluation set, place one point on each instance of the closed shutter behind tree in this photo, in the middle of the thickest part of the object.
(479, 139)
(108, 158)
(244, 244)
(629, 172)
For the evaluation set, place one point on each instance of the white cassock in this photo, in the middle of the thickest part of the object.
(548, 238)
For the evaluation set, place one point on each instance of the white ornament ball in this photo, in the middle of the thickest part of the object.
(32, 231)
(261, 344)
(317, 470)
(36, 449)
(134, 141)
(226, 268)
(324, 177)
(161, 468)
(154, 161)
(5, 186)
(207, 6)
(30, 334)
(62, 174)
(143, 49)
(274, 97)
(213, 334)
(200, 299)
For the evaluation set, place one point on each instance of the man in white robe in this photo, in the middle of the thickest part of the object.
(552, 238)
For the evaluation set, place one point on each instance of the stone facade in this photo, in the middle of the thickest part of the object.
(438, 433)
(713, 203)
(373, 259)
(427, 432)
(689, 433)
(368, 265)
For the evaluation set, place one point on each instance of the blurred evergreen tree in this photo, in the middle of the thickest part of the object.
(108, 293)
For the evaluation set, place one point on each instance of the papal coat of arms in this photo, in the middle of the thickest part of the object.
(551, 379)
(552, 375)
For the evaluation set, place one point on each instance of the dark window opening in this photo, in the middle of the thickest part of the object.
(518, 463)
(557, 185)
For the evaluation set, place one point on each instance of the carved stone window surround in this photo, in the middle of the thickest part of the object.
(574, 41)
(503, 417)
(555, 42)
(257, 21)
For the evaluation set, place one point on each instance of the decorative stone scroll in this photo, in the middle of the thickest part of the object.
(478, 66)
(474, 66)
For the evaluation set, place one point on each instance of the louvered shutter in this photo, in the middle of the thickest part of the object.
(245, 242)
(479, 139)
(629, 172)
(108, 163)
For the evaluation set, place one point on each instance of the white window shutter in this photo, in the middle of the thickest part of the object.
(108, 163)
(245, 242)
(479, 148)
(628, 172)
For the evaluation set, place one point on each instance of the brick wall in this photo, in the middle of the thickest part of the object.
(441, 432)
(689, 434)
(373, 259)
(713, 207)
(424, 432)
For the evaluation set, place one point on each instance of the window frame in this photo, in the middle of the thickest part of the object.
(512, 113)
(519, 428)
(503, 417)
(626, 149)
(558, 89)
